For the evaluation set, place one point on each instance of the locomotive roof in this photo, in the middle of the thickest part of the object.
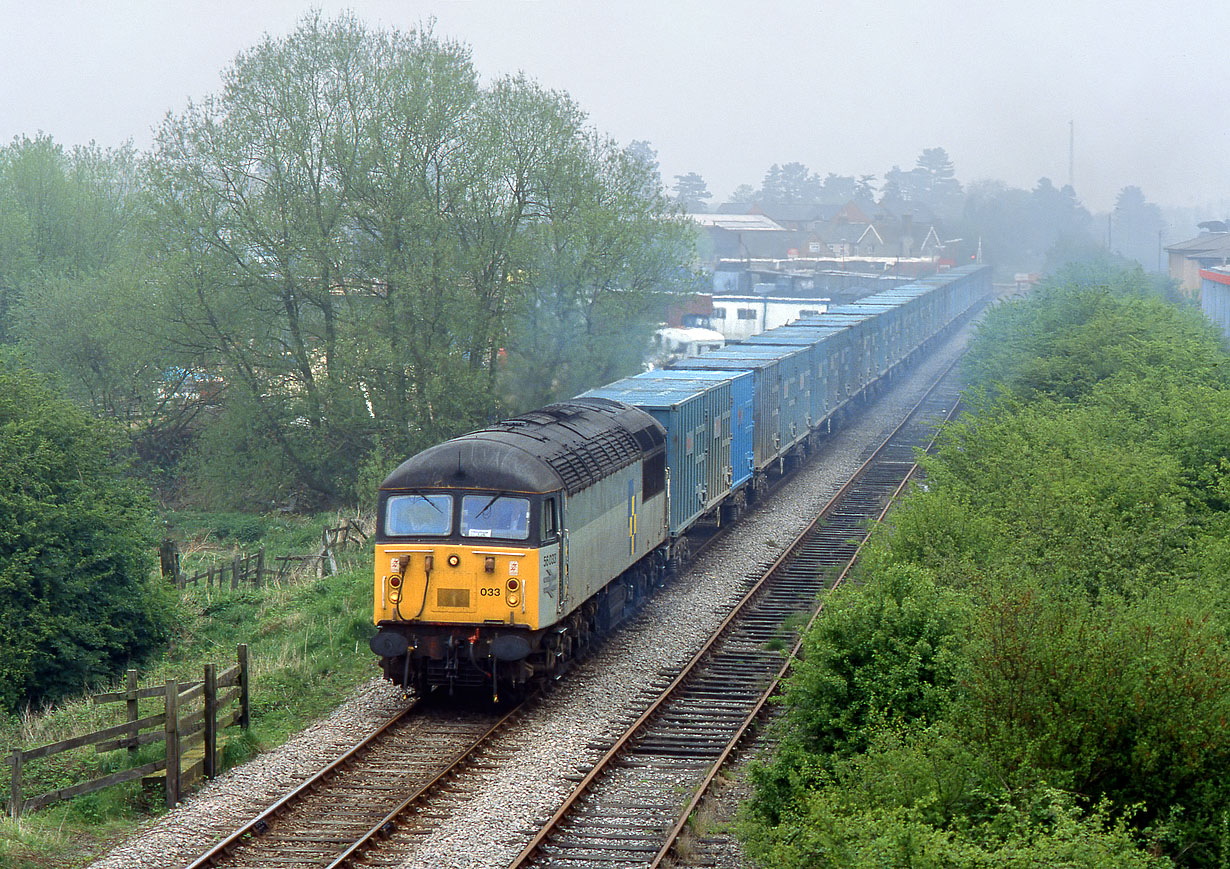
(569, 445)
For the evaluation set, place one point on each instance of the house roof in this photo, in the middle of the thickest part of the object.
(1207, 244)
(871, 228)
(796, 213)
(737, 222)
(1217, 274)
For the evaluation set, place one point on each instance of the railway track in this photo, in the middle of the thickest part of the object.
(378, 786)
(632, 806)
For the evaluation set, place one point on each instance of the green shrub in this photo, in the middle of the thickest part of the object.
(76, 549)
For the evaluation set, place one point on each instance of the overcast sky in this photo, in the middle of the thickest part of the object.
(725, 87)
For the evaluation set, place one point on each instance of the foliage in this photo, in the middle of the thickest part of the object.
(1018, 228)
(691, 192)
(790, 184)
(1123, 700)
(307, 649)
(927, 802)
(74, 292)
(1137, 227)
(1087, 324)
(358, 236)
(1037, 667)
(932, 182)
(76, 602)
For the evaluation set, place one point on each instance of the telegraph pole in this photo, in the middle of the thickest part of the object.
(1071, 154)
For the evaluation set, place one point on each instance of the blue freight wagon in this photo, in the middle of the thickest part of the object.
(884, 328)
(742, 428)
(823, 345)
(697, 419)
(781, 393)
(856, 349)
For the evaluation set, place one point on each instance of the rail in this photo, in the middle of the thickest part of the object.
(291, 822)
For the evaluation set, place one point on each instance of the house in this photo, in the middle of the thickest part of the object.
(801, 218)
(1215, 296)
(1188, 258)
(746, 236)
(739, 317)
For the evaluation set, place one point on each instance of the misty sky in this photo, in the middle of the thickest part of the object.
(724, 88)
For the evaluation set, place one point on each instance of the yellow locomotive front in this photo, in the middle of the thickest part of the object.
(454, 556)
(458, 586)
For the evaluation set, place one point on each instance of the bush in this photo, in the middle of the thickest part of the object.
(1123, 701)
(1037, 671)
(76, 549)
(929, 800)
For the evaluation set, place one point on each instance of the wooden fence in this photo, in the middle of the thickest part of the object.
(241, 570)
(251, 570)
(190, 737)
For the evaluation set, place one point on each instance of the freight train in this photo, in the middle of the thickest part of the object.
(501, 554)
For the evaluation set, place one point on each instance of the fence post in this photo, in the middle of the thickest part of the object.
(235, 569)
(242, 655)
(209, 578)
(211, 721)
(172, 737)
(260, 566)
(132, 704)
(168, 555)
(326, 551)
(15, 800)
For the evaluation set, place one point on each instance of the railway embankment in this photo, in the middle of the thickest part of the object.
(1035, 668)
(302, 633)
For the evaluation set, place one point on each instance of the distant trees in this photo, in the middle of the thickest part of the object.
(691, 192)
(1019, 227)
(1136, 228)
(76, 548)
(352, 251)
(75, 291)
(63, 214)
(790, 184)
(931, 182)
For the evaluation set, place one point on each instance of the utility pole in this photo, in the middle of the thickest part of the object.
(1071, 154)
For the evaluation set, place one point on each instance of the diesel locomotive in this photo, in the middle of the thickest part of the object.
(501, 554)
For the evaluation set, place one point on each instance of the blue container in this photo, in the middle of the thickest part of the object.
(856, 361)
(742, 427)
(823, 346)
(883, 327)
(781, 393)
(697, 419)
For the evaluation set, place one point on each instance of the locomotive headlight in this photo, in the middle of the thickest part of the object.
(513, 583)
(454, 560)
(395, 596)
(513, 600)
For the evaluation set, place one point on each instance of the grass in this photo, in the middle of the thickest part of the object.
(307, 643)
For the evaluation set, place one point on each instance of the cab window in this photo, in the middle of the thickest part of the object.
(550, 520)
(411, 515)
(495, 516)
